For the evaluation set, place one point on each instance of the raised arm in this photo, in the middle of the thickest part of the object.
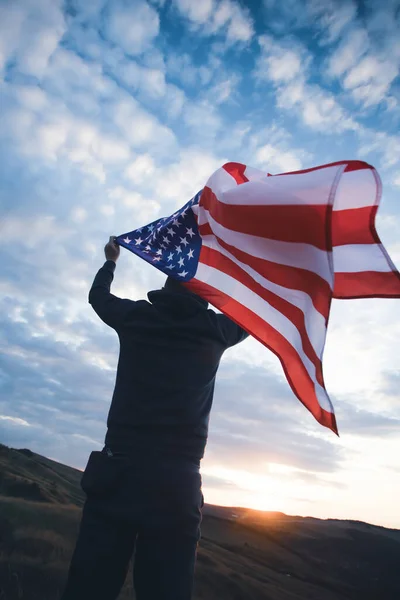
(111, 309)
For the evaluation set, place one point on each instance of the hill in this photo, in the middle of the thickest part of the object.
(244, 554)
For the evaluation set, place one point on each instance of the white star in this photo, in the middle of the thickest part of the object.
(166, 240)
(170, 267)
(139, 230)
(190, 254)
(156, 258)
(163, 246)
(175, 223)
(127, 240)
(184, 241)
(181, 262)
(183, 213)
(138, 241)
(170, 257)
(183, 274)
(171, 232)
(150, 227)
(189, 231)
(148, 247)
(178, 249)
(159, 252)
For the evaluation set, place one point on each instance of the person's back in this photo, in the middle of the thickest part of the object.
(144, 488)
(170, 349)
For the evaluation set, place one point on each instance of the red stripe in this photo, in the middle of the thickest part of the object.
(215, 259)
(293, 367)
(290, 223)
(351, 165)
(353, 226)
(367, 284)
(236, 170)
(289, 277)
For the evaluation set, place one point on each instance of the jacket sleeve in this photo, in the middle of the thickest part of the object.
(232, 333)
(111, 310)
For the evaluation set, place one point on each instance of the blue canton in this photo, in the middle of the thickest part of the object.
(171, 244)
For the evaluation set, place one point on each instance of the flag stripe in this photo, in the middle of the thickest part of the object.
(353, 258)
(313, 321)
(350, 165)
(301, 280)
(357, 189)
(230, 286)
(302, 256)
(354, 226)
(237, 171)
(368, 284)
(298, 224)
(304, 189)
(300, 381)
(216, 260)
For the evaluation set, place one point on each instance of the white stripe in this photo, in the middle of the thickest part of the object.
(249, 299)
(356, 189)
(292, 254)
(356, 258)
(253, 174)
(314, 321)
(302, 189)
(221, 180)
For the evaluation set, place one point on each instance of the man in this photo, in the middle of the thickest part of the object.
(144, 488)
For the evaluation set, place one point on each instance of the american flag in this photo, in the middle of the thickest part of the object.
(271, 251)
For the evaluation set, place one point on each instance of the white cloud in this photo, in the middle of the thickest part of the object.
(202, 119)
(350, 50)
(140, 169)
(272, 159)
(281, 63)
(32, 232)
(149, 81)
(371, 79)
(182, 179)
(197, 12)
(211, 17)
(30, 32)
(287, 69)
(181, 66)
(141, 128)
(133, 26)
(332, 16)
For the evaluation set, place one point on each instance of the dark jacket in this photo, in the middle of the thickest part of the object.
(170, 349)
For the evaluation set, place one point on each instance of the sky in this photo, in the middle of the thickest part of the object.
(115, 113)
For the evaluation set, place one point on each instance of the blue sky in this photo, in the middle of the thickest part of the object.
(116, 113)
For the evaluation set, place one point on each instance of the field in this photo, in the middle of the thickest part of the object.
(243, 554)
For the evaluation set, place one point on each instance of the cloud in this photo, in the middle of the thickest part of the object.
(30, 33)
(332, 17)
(327, 18)
(210, 17)
(133, 27)
(286, 66)
(349, 51)
(246, 424)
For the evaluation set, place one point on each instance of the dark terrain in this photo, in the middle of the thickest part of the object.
(244, 554)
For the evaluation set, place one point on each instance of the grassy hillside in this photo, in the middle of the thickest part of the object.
(244, 554)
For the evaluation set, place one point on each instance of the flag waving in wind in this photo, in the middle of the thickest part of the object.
(271, 251)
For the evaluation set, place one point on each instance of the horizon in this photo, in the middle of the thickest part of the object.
(115, 115)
